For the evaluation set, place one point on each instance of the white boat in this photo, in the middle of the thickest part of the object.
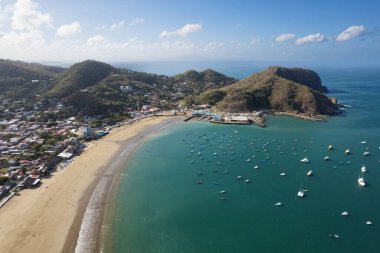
(368, 222)
(247, 181)
(222, 192)
(278, 204)
(309, 173)
(256, 167)
(361, 181)
(347, 152)
(335, 236)
(248, 160)
(345, 213)
(363, 169)
(330, 147)
(366, 153)
(305, 160)
(239, 177)
(301, 193)
(326, 158)
(283, 174)
(363, 142)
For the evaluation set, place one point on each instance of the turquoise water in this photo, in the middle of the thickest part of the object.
(161, 207)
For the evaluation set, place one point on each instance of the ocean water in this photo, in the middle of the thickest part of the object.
(160, 206)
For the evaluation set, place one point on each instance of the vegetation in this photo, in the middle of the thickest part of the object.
(95, 88)
(275, 88)
(80, 76)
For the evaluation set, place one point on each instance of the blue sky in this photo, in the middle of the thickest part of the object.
(146, 30)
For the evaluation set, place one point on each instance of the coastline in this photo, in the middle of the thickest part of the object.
(48, 219)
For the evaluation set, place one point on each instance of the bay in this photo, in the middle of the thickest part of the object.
(161, 206)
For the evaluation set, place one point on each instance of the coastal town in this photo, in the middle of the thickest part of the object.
(33, 145)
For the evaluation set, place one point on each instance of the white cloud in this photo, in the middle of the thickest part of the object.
(117, 25)
(316, 37)
(96, 41)
(136, 21)
(284, 37)
(351, 32)
(212, 46)
(27, 16)
(21, 39)
(183, 31)
(255, 40)
(68, 30)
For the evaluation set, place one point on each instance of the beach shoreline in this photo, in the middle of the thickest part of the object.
(50, 218)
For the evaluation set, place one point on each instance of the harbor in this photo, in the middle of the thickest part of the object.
(228, 118)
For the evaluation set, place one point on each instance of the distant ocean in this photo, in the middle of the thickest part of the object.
(160, 207)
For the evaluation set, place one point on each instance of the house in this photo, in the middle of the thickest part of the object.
(126, 89)
(30, 181)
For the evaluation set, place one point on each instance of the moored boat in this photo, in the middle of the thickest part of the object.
(361, 181)
(301, 193)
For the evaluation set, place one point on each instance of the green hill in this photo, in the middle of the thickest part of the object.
(80, 76)
(275, 88)
(22, 80)
(201, 81)
(28, 71)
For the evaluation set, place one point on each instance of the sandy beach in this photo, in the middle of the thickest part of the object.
(49, 218)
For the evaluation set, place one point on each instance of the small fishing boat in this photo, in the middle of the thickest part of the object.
(363, 169)
(366, 153)
(248, 160)
(305, 160)
(309, 173)
(247, 181)
(361, 181)
(368, 222)
(334, 236)
(363, 142)
(223, 192)
(326, 158)
(345, 213)
(301, 193)
(200, 182)
(347, 152)
(330, 147)
(256, 167)
(278, 204)
(283, 174)
(239, 177)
